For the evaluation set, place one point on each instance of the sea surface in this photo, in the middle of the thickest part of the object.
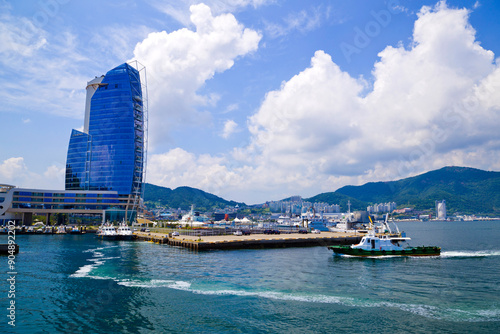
(79, 284)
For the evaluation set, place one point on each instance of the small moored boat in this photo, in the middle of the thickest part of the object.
(124, 232)
(75, 230)
(107, 232)
(61, 229)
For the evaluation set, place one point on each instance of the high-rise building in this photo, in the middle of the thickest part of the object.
(110, 153)
(441, 210)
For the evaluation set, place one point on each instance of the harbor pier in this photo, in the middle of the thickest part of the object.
(251, 241)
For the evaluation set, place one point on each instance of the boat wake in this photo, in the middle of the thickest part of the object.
(155, 283)
(469, 254)
(455, 313)
(94, 250)
(97, 260)
(428, 311)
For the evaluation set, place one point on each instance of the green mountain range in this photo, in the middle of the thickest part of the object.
(466, 190)
(183, 197)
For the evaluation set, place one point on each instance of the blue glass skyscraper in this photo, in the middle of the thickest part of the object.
(110, 152)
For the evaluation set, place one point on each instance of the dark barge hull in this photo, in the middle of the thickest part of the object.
(414, 251)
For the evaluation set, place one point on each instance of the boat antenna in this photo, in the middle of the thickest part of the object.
(395, 225)
(386, 223)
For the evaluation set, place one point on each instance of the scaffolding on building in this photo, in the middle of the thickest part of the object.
(138, 187)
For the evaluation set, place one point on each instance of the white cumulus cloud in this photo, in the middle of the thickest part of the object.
(178, 168)
(14, 171)
(433, 103)
(11, 168)
(319, 124)
(180, 62)
(55, 174)
(230, 127)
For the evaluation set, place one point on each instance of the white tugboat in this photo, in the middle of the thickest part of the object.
(384, 245)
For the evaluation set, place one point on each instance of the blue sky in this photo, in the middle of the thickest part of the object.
(257, 100)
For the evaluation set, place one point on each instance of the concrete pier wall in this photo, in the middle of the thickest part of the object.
(252, 241)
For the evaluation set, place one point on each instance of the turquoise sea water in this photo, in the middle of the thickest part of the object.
(78, 284)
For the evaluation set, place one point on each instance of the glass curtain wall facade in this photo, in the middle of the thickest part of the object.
(109, 154)
(77, 176)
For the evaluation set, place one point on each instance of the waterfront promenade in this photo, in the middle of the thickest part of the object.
(251, 241)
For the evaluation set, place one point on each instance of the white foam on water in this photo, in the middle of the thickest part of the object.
(279, 296)
(489, 313)
(98, 260)
(85, 270)
(486, 253)
(427, 311)
(99, 248)
(178, 285)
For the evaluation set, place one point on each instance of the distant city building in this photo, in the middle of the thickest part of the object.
(382, 207)
(441, 210)
(296, 206)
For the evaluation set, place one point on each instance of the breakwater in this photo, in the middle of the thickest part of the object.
(251, 241)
